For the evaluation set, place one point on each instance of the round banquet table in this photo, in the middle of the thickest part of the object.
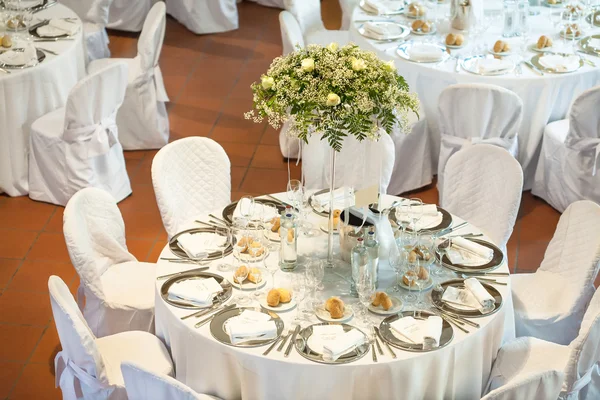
(545, 98)
(457, 371)
(26, 95)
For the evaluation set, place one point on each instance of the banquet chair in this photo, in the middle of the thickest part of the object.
(358, 164)
(129, 15)
(483, 185)
(347, 7)
(579, 360)
(568, 166)
(270, 3)
(543, 384)
(191, 176)
(116, 292)
(550, 303)
(499, 112)
(308, 15)
(205, 16)
(88, 367)
(142, 119)
(77, 146)
(94, 15)
(145, 384)
(291, 38)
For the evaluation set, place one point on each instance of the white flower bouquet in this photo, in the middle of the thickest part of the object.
(335, 91)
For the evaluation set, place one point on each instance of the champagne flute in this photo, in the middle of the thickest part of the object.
(411, 273)
(228, 241)
(240, 275)
(365, 288)
(416, 212)
(395, 261)
(259, 278)
(299, 292)
(271, 264)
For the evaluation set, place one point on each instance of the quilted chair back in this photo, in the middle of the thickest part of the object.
(96, 99)
(152, 36)
(76, 338)
(291, 34)
(483, 185)
(307, 13)
(95, 235)
(499, 112)
(191, 176)
(143, 384)
(358, 164)
(541, 385)
(95, 11)
(584, 129)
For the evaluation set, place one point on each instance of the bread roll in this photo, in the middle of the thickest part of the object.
(241, 271)
(541, 43)
(423, 273)
(335, 306)
(426, 27)
(405, 279)
(498, 46)
(285, 296)
(377, 299)
(276, 221)
(255, 276)
(460, 39)
(416, 25)
(7, 41)
(412, 256)
(273, 298)
(506, 47)
(450, 39)
(386, 302)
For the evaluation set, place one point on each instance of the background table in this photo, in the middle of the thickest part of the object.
(458, 371)
(545, 98)
(26, 95)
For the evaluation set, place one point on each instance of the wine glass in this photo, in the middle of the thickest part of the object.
(421, 281)
(411, 271)
(240, 275)
(365, 288)
(299, 292)
(395, 260)
(226, 232)
(305, 212)
(271, 264)
(403, 215)
(427, 247)
(416, 212)
(295, 192)
(524, 30)
(259, 278)
(246, 204)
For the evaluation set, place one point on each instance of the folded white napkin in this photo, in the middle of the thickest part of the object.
(489, 65)
(342, 198)
(382, 6)
(432, 330)
(431, 217)
(195, 291)
(259, 211)
(58, 27)
(198, 245)
(594, 43)
(250, 325)
(483, 297)
(425, 52)
(26, 57)
(560, 63)
(30, 3)
(467, 297)
(381, 31)
(468, 253)
(332, 350)
(417, 331)
(323, 334)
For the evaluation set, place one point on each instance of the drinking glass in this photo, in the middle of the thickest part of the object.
(305, 211)
(242, 299)
(271, 264)
(299, 292)
(524, 30)
(403, 215)
(416, 212)
(226, 232)
(257, 292)
(427, 246)
(295, 192)
(395, 260)
(246, 208)
(365, 288)
(421, 282)
(411, 269)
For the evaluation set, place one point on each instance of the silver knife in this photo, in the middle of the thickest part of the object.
(47, 51)
(377, 342)
(585, 52)
(206, 320)
(42, 23)
(216, 304)
(457, 317)
(285, 338)
(373, 351)
(181, 272)
(451, 321)
(5, 71)
(291, 343)
(385, 343)
(54, 40)
(533, 68)
(267, 351)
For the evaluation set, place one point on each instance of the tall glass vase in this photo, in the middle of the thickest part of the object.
(330, 262)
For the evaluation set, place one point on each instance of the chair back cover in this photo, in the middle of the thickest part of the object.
(153, 34)
(358, 164)
(291, 34)
(307, 13)
(483, 185)
(584, 131)
(541, 385)
(95, 11)
(79, 358)
(143, 384)
(499, 113)
(191, 176)
(91, 110)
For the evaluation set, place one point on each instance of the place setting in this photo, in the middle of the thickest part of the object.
(416, 331)
(55, 28)
(382, 7)
(487, 65)
(591, 45)
(246, 327)
(195, 290)
(383, 31)
(467, 298)
(201, 245)
(27, 56)
(468, 255)
(421, 52)
(332, 343)
(557, 63)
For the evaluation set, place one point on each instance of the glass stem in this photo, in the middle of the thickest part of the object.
(331, 198)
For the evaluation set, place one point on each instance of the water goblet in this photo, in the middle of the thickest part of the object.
(299, 292)
(395, 260)
(240, 275)
(411, 269)
(271, 264)
(366, 289)
(226, 232)
(259, 278)
(416, 212)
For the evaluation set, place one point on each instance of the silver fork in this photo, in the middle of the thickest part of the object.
(285, 336)
(372, 343)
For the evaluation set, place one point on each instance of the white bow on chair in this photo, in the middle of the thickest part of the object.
(154, 76)
(65, 377)
(99, 137)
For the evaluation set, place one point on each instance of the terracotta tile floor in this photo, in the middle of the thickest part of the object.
(207, 78)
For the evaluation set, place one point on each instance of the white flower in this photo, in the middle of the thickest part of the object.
(333, 46)
(390, 66)
(358, 64)
(333, 99)
(267, 82)
(308, 65)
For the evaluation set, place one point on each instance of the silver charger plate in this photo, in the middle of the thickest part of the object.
(386, 332)
(40, 55)
(403, 31)
(369, 11)
(494, 263)
(446, 222)
(594, 18)
(219, 299)
(469, 64)
(314, 208)
(305, 351)
(584, 44)
(33, 32)
(228, 210)
(436, 297)
(536, 62)
(178, 251)
(403, 52)
(217, 327)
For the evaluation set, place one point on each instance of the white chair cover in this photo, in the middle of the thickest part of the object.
(538, 385)
(498, 110)
(205, 16)
(118, 290)
(270, 3)
(129, 15)
(358, 164)
(94, 14)
(483, 185)
(347, 7)
(143, 121)
(87, 367)
(191, 176)
(144, 384)
(568, 166)
(550, 303)
(78, 146)
(308, 15)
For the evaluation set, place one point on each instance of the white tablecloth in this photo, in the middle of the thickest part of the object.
(545, 98)
(26, 95)
(458, 371)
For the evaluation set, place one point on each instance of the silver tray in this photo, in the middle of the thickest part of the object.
(583, 43)
(220, 299)
(228, 210)
(404, 31)
(536, 62)
(446, 222)
(370, 12)
(40, 55)
(386, 332)
(217, 327)
(178, 251)
(469, 64)
(436, 297)
(402, 52)
(494, 263)
(304, 350)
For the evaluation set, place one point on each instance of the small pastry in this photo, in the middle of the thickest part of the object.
(460, 39)
(273, 298)
(506, 47)
(450, 39)
(335, 306)
(243, 244)
(285, 296)
(416, 25)
(412, 257)
(423, 274)
(499, 46)
(426, 27)
(276, 221)
(241, 271)
(377, 299)
(255, 276)
(7, 41)
(405, 278)
(256, 249)
(386, 302)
